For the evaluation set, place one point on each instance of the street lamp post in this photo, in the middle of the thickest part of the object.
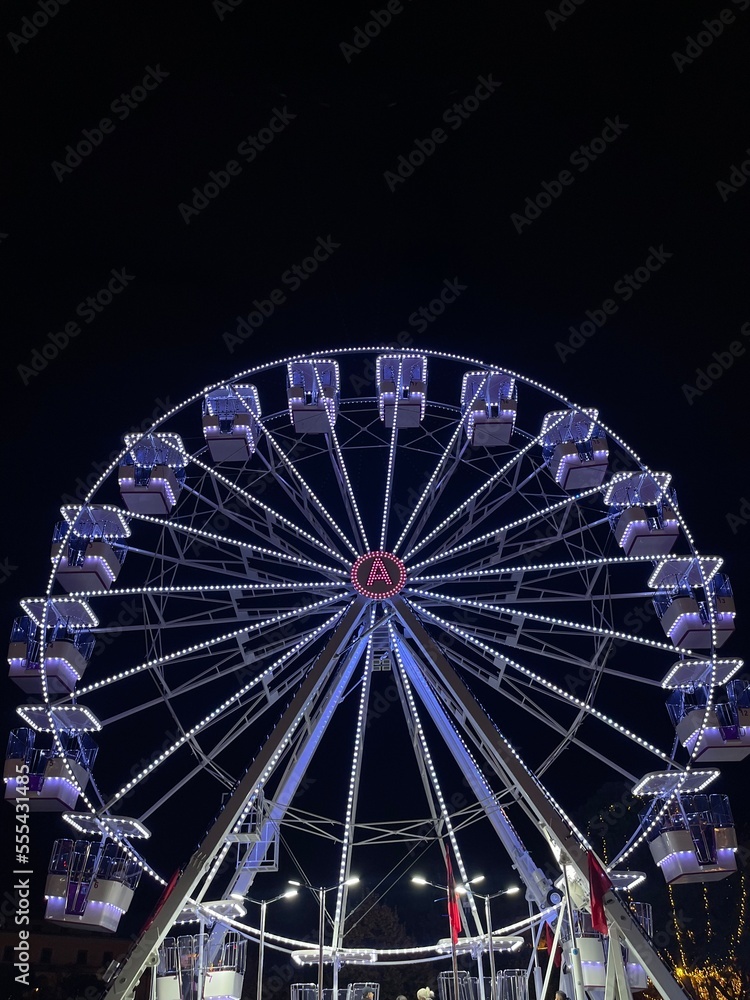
(321, 937)
(321, 892)
(488, 920)
(461, 890)
(263, 903)
(418, 880)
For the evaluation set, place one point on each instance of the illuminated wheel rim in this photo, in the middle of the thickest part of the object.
(224, 603)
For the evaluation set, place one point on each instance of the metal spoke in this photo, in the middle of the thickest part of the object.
(342, 470)
(267, 509)
(306, 488)
(556, 622)
(430, 485)
(553, 689)
(522, 452)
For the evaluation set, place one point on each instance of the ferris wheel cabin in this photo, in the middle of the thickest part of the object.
(183, 959)
(152, 472)
(64, 623)
(690, 834)
(641, 513)
(313, 395)
(694, 602)
(47, 775)
(510, 984)
(85, 548)
(402, 387)
(576, 448)
(491, 402)
(694, 840)
(709, 710)
(593, 948)
(229, 425)
(90, 884)
(67, 651)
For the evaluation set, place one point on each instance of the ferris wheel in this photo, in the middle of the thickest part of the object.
(337, 538)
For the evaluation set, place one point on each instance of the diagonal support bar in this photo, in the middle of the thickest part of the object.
(317, 726)
(128, 976)
(510, 766)
(538, 886)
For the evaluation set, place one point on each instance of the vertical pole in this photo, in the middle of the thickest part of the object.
(488, 918)
(321, 932)
(455, 970)
(575, 953)
(198, 975)
(480, 977)
(261, 942)
(537, 968)
(454, 957)
(152, 986)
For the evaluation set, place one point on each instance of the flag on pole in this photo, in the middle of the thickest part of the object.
(454, 913)
(599, 883)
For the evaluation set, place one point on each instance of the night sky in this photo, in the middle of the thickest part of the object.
(572, 179)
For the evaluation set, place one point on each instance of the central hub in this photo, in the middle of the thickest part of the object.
(378, 575)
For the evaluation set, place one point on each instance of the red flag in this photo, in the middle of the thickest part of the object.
(454, 913)
(550, 940)
(162, 900)
(599, 883)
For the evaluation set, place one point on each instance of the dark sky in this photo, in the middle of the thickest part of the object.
(575, 174)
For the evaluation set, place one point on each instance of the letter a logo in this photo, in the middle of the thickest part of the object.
(378, 575)
(378, 572)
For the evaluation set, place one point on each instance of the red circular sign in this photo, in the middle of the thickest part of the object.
(378, 575)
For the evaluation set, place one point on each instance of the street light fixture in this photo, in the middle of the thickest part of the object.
(463, 890)
(322, 891)
(511, 891)
(263, 903)
(459, 890)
